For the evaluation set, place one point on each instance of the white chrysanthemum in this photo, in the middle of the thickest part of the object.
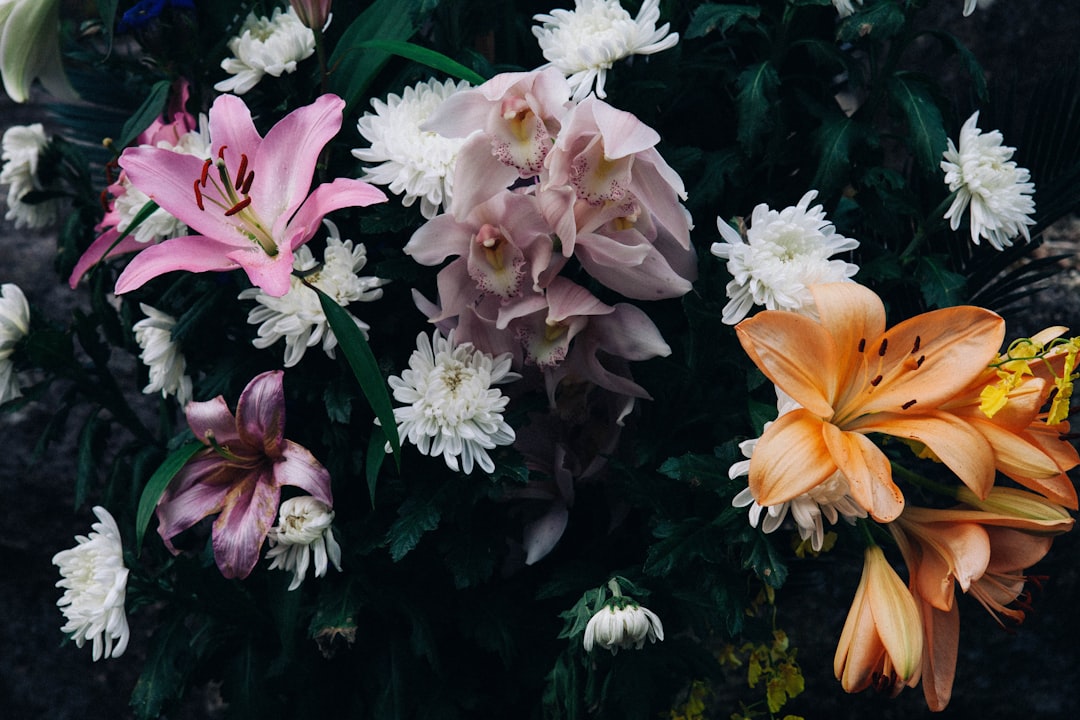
(584, 43)
(783, 255)
(297, 315)
(22, 146)
(95, 585)
(622, 624)
(303, 529)
(969, 5)
(845, 7)
(160, 225)
(984, 178)
(266, 46)
(414, 162)
(14, 326)
(161, 355)
(831, 499)
(451, 407)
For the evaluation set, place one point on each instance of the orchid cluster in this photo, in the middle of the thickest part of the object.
(402, 361)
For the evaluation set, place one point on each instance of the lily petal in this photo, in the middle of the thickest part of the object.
(324, 199)
(194, 253)
(790, 458)
(299, 468)
(768, 339)
(212, 419)
(867, 471)
(260, 412)
(105, 245)
(239, 531)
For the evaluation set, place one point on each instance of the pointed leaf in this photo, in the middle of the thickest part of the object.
(940, 287)
(151, 109)
(157, 484)
(373, 463)
(833, 140)
(424, 56)
(758, 87)
(925, 126)
(712, 16)
(364, 366)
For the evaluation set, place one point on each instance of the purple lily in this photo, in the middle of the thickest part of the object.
(239, 474)
(251, 203)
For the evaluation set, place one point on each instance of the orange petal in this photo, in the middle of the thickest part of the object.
(956, 443)
(796, 353)
(789, 459)
(927, 359)
(853, 315)
(942, 635)
(867, 471)
(896, 615)
(1014, 455)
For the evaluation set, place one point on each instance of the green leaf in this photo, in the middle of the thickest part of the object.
(165, 670)
(424, 56)
(373, 461)
(352, 68)
(156, 485)
(970, 62)
(91, 441)
(758, 86)
(712, 16)
(416, 516)
(882, 20)
(107, 12)
(833, 140)
(762, 557)
(151, 109)
(925, 126)
(364, 366)
(940, 287)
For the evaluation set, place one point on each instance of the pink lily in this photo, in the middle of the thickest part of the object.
(250, 202)
(239, 474)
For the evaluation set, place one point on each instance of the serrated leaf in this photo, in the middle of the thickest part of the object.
(925, 127)
(364, 366)
(165, 670)
(416, 516)
(694, 469)
(758, 86)
(682, 542)
(424, 56)
(711, 16)
(940, 287)
(150, 110)
(761, 556)
(156, 485)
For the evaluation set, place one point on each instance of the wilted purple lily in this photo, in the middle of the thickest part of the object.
(251, 203)
(239, 474)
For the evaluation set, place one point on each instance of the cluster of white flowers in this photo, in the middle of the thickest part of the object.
(303, 529)
(584, 43)
(14, 325)
(622, 624)
(297, 315)
(414, 162)
(95, 586)
(266, 46)
(22, 146)
(783, 254)
(161, 355)
(982, 174)
(831, 499)
(451, 407)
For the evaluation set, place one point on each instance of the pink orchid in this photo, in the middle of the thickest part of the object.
(250, 201)
(239, 474)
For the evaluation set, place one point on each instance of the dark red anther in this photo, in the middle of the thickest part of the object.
(238, 207)
(862, 344)
(884, 344)
(915, 347)
(242, 171)
(221, 153)
(247, 183)
(876, 381)
(920, 361)
(104, 200)
(205, 170)
(198, 196)
(908, 404)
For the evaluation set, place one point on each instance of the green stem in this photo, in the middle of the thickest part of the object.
(922, 481)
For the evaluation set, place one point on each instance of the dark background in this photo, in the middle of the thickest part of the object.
(1032, 672)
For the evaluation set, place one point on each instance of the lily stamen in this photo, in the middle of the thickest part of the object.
(238, 207)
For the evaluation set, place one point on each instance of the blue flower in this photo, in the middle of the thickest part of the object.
(147, 10)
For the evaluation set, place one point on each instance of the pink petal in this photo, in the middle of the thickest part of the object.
(231, 127)
(628, 333)
(105, 245)
(192, 499)
(272, 273)
(650, 278)
(299, 468)
(241, 527)
(438, 239)
(286, 159)
(194, 253)
(341, 193)
(623, 133)
(212, 418)
(260, 413)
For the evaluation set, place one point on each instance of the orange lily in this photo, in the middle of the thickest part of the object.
(882, 639)
(853, 377)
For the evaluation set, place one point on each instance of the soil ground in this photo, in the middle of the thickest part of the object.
(1032, 672)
